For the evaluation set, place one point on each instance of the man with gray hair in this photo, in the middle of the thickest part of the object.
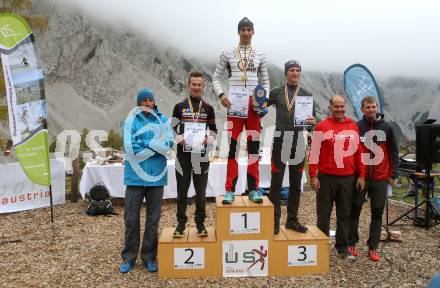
(287, 138)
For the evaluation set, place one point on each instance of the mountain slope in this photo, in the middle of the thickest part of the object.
(93, 73)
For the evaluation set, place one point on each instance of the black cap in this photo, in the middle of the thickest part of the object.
(245, 22)
(291, 63)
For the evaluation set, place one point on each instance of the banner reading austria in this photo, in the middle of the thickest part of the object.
(25, 97)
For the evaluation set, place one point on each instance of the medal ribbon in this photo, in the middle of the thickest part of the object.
(286, 95)
(192, 109)
(244, 65)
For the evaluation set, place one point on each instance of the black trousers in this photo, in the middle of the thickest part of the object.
(134, 196)
(280, 156)
(196, 167)
(377, 191)
(339, 190)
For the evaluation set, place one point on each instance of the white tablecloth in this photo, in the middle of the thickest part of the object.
(112, 176)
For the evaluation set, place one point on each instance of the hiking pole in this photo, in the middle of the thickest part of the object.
(51, 203)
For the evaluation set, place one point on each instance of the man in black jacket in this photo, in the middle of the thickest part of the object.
(287, 138)
(379, 144)
(192, 116)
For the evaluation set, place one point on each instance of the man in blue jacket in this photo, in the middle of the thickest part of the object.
(147, 138)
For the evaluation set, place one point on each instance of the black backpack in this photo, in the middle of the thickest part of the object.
(99, 201)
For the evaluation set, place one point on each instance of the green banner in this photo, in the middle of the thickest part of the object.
(13, 30)
(26, 97)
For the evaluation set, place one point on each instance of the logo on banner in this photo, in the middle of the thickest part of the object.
(7, 31)
(245, 258)
(364, 87)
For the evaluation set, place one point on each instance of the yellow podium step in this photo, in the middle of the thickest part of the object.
(244, 219)
(294, 253)
(190, 256)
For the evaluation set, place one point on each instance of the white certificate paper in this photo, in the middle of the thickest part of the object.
(303, 110)
(194, 134)
(239, 98)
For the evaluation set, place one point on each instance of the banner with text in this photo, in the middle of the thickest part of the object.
(18, 193)
(26, 97)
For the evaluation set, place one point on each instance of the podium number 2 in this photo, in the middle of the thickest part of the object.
(189, 258)
(191, 251)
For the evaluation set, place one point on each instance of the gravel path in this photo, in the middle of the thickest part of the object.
(82, 251)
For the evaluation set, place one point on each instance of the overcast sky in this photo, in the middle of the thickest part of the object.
(389, 37)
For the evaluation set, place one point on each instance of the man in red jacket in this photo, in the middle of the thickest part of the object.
(380, 145)
(336, 156)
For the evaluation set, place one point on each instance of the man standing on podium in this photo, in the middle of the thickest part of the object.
(193, 118)
(246, 68)
(288, 137)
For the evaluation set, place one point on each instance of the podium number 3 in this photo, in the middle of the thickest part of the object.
(303, 252)
(245, 220)
(191, 251)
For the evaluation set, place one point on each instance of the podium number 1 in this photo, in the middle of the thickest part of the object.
(245, 220)
(244, 223)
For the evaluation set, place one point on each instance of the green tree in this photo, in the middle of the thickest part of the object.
(83, 145)
(114, 140)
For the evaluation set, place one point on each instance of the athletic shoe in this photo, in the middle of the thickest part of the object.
(373, 254)
(151, 267)
(228, 198)
(180, 229)
(201, 231)
(126, 267)
(296, 226)
(256, 196)
(346, 255)
(353, 250)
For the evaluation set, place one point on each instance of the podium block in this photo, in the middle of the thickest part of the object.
(190, 256)
(243, 245)
(244, 219)
(294, 253)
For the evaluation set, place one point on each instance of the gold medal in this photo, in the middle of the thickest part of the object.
(245, 63)
(197, 114)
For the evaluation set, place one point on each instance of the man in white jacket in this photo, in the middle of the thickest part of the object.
(246, 68)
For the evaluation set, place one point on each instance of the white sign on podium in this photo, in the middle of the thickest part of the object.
(245, 223)
(301, 255)
(189, 258)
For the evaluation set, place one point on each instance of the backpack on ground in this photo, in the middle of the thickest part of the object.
(100, 203)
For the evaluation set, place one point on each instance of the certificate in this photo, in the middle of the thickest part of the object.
(194, 135)
(303, 110)
(239, 98)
